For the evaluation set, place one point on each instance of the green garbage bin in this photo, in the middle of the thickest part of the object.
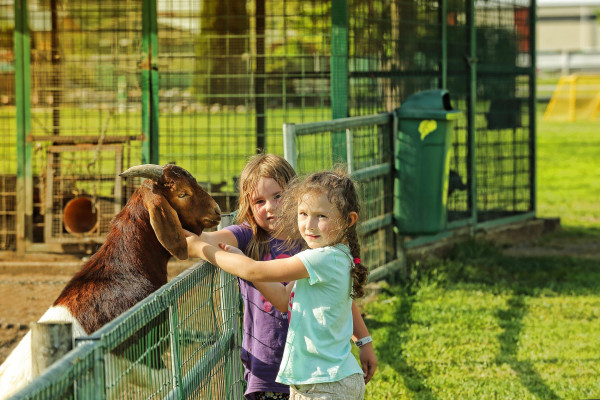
(425, 122)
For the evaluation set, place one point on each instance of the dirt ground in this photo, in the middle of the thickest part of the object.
(29, 285)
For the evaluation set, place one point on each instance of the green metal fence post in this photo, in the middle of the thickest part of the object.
(290, 152)
(443, 7)
(175, 348)
(472, 102)
(532, 106)
(339, 74)
(234, 375)
(259, 76)
(24, 187)
(149, 73)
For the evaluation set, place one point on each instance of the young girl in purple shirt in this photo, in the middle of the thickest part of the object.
(265, 328)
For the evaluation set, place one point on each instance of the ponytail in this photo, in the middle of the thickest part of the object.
(359, 272)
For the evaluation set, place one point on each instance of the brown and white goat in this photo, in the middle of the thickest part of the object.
(132, 262)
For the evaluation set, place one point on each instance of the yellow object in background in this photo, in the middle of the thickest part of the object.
(576, 97)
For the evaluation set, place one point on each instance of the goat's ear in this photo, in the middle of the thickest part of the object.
(166, 225)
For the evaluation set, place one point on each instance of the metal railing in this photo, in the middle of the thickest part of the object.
(365, 145)
(181, 342)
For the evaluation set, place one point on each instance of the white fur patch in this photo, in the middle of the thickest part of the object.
(15, 372)
(62, 314)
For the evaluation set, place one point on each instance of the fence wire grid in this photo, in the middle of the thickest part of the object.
(207, 84)
(182, 342)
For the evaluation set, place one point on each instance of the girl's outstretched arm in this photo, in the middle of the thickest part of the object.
(216, 237)
(222, 236)
(278, 270)
(276, 293)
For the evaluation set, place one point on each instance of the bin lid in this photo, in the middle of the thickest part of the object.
(430, 104)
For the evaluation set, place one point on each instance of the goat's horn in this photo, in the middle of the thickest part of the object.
(151, 171)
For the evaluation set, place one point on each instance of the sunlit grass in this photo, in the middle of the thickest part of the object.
(480, 324)
(568, 167)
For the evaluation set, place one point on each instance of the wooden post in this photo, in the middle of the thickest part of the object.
(49, 342)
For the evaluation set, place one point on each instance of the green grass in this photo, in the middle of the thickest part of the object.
(569, 172)
(481, 324)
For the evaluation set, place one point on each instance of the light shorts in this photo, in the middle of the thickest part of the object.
(350, 388)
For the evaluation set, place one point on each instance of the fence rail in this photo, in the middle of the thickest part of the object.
(366, 149)
(181, 342)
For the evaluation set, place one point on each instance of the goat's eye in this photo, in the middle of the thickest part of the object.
(182, 195)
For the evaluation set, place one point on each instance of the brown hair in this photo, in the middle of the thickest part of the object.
(260, 166)
(342, 194)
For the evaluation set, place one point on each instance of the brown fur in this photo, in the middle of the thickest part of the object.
(132, 262)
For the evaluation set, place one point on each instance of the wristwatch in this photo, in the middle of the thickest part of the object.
(363, 341)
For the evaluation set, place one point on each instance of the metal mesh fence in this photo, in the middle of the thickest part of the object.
(394, 52)
(503, 124)
(84, 91)
(230, 73)
(409, 57)
(181, 342)
(398, 48)
(8, 155)
(84, 69)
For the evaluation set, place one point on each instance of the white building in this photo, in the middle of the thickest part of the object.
(568, 35)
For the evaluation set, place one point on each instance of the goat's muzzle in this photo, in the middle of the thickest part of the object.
(212, 220)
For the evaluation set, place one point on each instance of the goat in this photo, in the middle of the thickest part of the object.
(132, 262)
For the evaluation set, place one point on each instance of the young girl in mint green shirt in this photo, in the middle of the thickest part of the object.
(320, 213)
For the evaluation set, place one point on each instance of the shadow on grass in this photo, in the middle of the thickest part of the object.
(585, 232)
(511, 321)
(400, 323)
(483, 264)
(485, 268)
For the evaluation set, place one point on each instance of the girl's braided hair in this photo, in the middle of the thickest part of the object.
(342, 193)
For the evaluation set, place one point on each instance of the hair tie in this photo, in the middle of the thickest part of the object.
(357, 260)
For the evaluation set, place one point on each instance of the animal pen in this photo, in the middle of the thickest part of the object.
(89, 88)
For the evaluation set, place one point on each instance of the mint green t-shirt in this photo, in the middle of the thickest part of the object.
(317, 347)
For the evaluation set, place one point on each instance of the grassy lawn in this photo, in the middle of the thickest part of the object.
(485, 324)
(569, 172)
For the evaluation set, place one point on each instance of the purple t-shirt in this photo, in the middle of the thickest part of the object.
(265, 328)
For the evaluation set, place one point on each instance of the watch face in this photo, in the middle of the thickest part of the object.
(363, 341)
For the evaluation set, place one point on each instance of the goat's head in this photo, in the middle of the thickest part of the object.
(174, 201)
